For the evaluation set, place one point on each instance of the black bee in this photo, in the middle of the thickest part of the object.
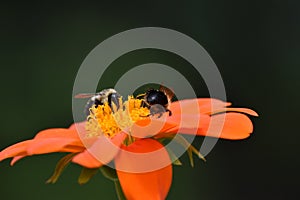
(157, 101)
(107, 95)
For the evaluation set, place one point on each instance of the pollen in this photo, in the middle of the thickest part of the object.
(108, 121)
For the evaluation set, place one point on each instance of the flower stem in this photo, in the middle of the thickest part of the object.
(119, 191)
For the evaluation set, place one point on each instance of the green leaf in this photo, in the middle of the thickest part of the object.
(190, 154)
(109, 173)
(190, 148)
(182, 141)
(195, 151)
(86, 174)
(112, 175)
(60, 166)
(173, 157)
(119, 190)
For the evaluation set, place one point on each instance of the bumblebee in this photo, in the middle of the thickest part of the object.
(157, 101)
(107, 95)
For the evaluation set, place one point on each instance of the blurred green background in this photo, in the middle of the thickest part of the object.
(255, 45)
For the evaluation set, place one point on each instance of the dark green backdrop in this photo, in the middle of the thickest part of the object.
(255, 44)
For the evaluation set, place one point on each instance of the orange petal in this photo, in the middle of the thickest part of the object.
(46, 141)
(79, 126)
(50, 145)
(15, 159)
(18, 149)
(232, 126)
(56, 140)
(87, 160)
(236, 126)
(57, 133)
(101, 152)
(196, 106)
(240, 110)
(153, 185)
(149, 127)
(189, 123)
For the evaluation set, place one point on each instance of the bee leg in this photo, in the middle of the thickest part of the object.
(157, 109)
(170, 112)
(114, 98)
(140, 96)
(144, 115)
(143, 104)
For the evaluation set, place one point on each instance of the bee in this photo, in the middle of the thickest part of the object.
(100, 98)
(157, 101)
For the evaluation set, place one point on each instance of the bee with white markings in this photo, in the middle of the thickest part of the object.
(100, 98)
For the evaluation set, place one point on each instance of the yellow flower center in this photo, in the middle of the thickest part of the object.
(104, 120)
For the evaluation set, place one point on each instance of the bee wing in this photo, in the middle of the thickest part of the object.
(84, 95)
(170, 94)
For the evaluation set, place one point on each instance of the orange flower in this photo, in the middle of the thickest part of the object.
(125, 133)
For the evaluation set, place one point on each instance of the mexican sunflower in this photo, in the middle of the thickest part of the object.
(133, 142)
